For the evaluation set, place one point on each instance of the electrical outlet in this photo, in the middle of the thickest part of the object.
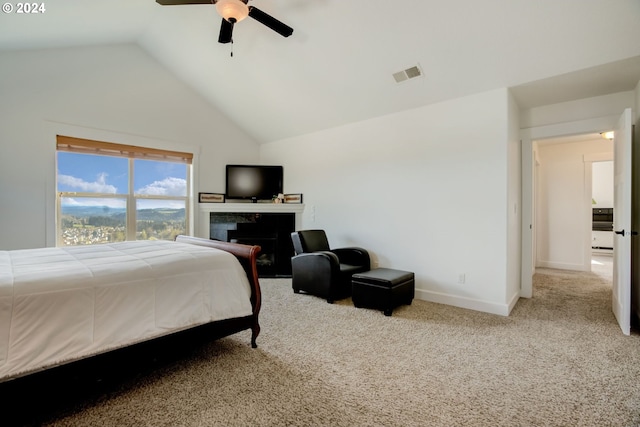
(461, 278)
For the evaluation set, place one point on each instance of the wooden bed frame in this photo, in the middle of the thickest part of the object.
(247, 255)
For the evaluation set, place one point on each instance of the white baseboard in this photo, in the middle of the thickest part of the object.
(464, 302)
(563, 266)
(608, 252)
(514, 299)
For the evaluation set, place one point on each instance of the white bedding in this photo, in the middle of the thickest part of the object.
(62, 304)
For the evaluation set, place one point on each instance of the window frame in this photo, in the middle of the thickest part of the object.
(132, 153)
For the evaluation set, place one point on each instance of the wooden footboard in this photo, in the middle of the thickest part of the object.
(247, 255)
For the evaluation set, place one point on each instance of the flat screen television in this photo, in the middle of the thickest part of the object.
(255, 182)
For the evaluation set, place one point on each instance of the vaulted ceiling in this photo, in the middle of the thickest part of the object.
(338, 65)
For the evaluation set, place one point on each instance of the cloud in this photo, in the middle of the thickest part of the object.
(167, 187)
(98, 186)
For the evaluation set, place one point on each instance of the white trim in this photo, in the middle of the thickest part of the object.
(587, 208)
(595, 125)
(598, 157)
(512, 302)
(465, 302)
(251, 207)
(529, 162)
(564, 265)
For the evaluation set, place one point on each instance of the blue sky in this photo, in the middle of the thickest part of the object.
(105, 174)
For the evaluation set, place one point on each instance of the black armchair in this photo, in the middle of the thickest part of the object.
(321, 271)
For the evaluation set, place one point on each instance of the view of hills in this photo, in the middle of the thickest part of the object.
(158, 214)
(101, 224)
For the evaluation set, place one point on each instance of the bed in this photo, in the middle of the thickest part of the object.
(58, 305)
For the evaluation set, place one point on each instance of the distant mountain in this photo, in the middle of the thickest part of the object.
(86, 211)
(160, 214)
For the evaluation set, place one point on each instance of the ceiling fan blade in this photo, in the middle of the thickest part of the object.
(226, 31)
(271, 22)
(178, 2)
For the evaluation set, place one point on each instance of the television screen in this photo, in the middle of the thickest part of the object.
(253, 182)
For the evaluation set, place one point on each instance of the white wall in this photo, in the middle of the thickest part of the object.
(425, 190)
(118, 93)
(564, 202)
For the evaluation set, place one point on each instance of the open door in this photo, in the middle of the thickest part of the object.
(621, 297)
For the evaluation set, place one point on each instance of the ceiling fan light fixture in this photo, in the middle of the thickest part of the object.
(232, 10)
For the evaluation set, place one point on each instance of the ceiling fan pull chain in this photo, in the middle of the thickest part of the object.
(232, 48)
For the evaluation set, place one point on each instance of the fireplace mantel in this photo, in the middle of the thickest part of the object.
(205, 210)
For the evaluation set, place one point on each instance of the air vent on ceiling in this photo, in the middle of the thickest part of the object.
(409, 73)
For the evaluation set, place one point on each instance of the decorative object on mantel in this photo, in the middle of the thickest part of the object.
(210, 198)
(278, 199)
(292, 198)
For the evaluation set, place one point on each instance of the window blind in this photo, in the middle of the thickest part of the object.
(87, 146)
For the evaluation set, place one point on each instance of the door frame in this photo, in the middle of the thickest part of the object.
(527, 137)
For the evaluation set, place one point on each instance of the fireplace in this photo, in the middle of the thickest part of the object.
(270, 230)
(270, 259)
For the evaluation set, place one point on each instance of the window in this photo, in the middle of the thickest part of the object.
(111, 193)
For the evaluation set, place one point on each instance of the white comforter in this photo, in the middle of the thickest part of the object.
(61, 304)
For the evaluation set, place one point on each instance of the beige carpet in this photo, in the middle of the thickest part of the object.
(558, 360)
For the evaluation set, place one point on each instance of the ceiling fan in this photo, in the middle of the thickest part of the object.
(233, 11)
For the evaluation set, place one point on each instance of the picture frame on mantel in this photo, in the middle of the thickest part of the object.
(210, 198)
(292, 198)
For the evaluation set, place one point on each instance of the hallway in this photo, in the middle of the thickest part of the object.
(602, 265)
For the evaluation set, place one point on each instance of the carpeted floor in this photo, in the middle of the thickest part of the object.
(559, 359)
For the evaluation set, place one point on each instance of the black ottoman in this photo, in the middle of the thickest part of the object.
(382, 289)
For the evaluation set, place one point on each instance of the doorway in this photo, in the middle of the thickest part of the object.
(623, 200)
(564, 200)
(530, 164)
